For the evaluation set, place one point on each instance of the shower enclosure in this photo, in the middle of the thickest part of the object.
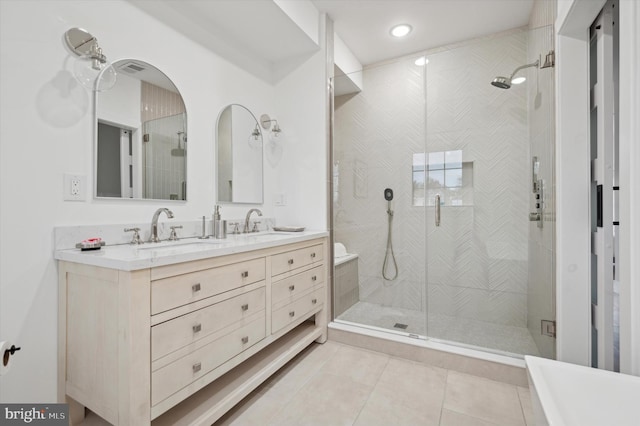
(469, 165)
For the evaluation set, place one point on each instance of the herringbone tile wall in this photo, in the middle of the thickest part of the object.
(475, 264)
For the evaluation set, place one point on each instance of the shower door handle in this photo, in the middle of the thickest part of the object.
(437, 201)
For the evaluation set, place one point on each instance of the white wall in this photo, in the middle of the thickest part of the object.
(45, 134)
(301, 172)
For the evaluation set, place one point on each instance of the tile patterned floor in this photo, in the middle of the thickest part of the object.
(336, 384)
(503, 338)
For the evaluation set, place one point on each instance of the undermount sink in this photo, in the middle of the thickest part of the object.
(172, 245)
(269, 236)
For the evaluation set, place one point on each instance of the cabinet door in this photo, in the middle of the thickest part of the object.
(299, 309)
(169, 293)
(291, 260)
(186, 329)
(175, 376)
(290, 288)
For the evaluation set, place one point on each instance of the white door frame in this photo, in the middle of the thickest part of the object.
(573, 242)
(629, 136)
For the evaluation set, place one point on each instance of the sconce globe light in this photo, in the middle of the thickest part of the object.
(276, 132)
(255, 138)
(91, 69)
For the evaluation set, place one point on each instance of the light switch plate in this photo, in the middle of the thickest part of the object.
(280, 199)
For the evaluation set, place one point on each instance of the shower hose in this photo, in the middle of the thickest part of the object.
(389, 249)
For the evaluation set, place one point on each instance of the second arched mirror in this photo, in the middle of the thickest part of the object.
(239, 155)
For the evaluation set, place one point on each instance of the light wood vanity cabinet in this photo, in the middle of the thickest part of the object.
(183, 343)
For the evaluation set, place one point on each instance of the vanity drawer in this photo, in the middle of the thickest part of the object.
(289, 288)
(285, 262)
(297, 309)
(175, 376)
(169, 293)
(176, 333)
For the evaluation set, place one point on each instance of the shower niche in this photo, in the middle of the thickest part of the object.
(443, 173)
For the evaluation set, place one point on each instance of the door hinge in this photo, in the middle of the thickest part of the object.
(145, 137)
(548, 328)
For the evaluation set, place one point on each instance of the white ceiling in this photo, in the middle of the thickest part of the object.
(364, 24)
(260, 37)
(253, 34)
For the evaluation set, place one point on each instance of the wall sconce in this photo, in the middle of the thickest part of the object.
(255, 138)
(91, 62)
(276, 131)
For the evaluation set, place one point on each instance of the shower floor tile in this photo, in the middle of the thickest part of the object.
(497, 337)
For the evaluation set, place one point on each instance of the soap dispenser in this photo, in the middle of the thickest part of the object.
(219, 226)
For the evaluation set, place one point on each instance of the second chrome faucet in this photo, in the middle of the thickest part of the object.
(246, 220)
(154, 223)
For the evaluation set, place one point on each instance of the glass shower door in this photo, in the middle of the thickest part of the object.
(477, 192)
(380, 282)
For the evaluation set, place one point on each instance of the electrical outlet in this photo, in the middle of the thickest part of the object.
(74, 187)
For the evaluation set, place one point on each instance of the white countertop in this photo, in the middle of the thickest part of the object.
(128, 257)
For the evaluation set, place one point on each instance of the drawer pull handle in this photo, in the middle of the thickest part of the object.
(292, 287)
(245, 307)
(245, 274)
(245, 339)
(313, 255)
(292, 313)
(314, 301)
(195, 288)
(197, 328)
(290, 261)
(313, 278)
(196, 367)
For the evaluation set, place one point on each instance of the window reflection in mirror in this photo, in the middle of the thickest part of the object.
(141, 147)
(239, 155)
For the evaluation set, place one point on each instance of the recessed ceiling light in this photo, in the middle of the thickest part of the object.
(421, 61)
(401, 30)
(518, 80)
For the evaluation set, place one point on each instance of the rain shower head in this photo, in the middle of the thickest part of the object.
(502, 82)
(505, 83)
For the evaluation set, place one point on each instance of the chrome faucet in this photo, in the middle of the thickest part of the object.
(154, 223)
(246, 220)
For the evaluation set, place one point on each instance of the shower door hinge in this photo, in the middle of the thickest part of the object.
(548, 328)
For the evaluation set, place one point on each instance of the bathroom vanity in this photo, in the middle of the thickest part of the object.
(180, 333)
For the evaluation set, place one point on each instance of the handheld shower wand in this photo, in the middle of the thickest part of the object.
(388, 195)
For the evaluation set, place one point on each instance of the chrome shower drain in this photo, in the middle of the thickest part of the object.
(402, 326)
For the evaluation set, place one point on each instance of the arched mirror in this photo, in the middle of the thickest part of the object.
(141, 138)
(239, 153)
